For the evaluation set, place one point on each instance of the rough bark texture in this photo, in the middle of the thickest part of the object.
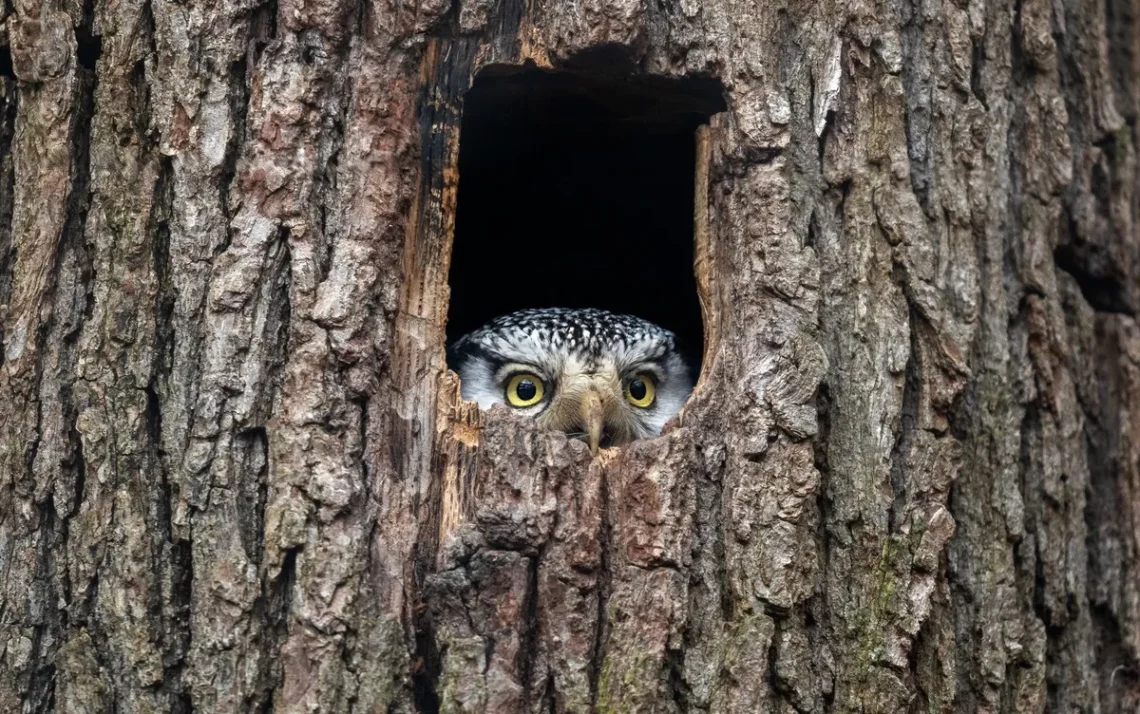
(236, 477)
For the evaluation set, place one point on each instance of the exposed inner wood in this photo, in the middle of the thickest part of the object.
(704, 263)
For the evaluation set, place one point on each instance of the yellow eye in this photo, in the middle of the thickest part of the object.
(524, 390)
(640, 391)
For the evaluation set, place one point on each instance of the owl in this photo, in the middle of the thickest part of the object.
(601, 377)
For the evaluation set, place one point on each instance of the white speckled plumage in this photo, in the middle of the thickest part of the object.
(573, 350)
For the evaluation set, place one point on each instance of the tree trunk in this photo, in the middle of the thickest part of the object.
(235, 475)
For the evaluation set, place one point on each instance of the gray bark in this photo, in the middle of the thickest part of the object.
(235, 475)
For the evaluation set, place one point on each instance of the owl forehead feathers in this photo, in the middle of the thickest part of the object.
(588, 334)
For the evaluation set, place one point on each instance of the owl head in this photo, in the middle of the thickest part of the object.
(601, 377)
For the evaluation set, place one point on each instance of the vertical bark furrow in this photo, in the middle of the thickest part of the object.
(121, 537)
(604, 589)
(310, 509)
(9, 97)
(47, 152)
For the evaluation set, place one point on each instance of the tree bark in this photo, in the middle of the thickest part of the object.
(235, 475)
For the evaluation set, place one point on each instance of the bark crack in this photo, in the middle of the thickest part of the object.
(604, 585)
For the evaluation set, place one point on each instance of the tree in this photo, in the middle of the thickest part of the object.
(235, 475)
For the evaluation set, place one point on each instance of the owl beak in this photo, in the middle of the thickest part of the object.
(593, 418)
(588, 410)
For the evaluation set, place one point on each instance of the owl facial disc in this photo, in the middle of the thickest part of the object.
(599, 376)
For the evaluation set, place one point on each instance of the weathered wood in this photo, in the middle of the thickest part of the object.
(236, 476)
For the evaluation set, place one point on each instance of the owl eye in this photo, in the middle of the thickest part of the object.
(524, 390)
(640, 391)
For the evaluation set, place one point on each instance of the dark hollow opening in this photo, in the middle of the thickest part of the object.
(576, 190)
